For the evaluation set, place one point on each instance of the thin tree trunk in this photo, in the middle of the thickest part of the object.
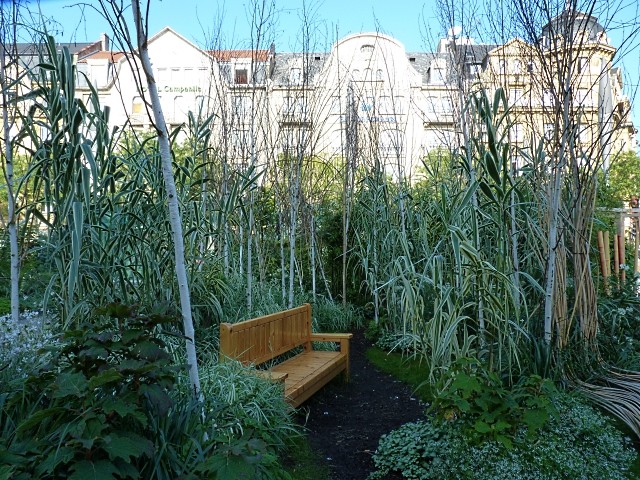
(250, 256)
(313, 256)
(172, 199)
(554, 210)
(293, 219)
(11, 213)
(283, 279)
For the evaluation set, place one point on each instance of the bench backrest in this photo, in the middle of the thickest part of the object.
(260, 339)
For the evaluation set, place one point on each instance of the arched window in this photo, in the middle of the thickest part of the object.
(137, 106)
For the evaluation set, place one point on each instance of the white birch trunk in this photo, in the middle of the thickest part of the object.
(292, 241)
(313, 256)
(172, 199)
(283, 279)
(250, 256)
(11, 201)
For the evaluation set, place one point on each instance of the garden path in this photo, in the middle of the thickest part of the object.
(345, 420)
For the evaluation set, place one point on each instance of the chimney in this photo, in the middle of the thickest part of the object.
(104, 42)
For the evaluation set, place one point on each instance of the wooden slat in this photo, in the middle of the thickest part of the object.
(264, 338)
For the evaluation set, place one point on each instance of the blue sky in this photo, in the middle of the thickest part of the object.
(195, 19)
(413, 22)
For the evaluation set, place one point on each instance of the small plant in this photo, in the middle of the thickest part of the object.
(19, 344)
(578, 443)
(487, 409)
(88, 410)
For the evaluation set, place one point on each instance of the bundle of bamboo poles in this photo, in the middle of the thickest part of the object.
(619, 254)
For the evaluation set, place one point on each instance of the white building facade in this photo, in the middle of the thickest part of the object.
(366, 100)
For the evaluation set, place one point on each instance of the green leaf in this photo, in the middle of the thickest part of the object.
(535, 419)
(504, 440)
(70, 384)
(127, 446)
(482, 427)
(227, 467)
(100, 470)
(60, 455)
(158, 397)
(39, 417)
(466, 384)
(108, 376)
(150, 351)
(121, 407)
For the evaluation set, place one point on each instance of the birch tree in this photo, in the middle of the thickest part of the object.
(9, 73)
(139, 61)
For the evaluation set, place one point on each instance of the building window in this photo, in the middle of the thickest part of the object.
(385, 106)
(176, 76)
(437, 75)
(367, 50)
(502, 66)
(516, 66)
(584, 134)
(367, 74)
(549, 130)
(583, 64)
(295, 76)
(137, 108)
(241, 106)
(356, 74)
(474, 69)
(335, 105)
(241, 77)
(582, 97)
(391, 143)
(515, 97)
(547, 98)
(241, 140)
(379, 74)
(518, 132)
(179, 108)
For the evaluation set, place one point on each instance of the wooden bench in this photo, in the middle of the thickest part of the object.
(262, 339)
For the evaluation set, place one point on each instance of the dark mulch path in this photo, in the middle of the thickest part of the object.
(345, 420)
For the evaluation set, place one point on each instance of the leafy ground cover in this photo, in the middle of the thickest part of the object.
(345, 421)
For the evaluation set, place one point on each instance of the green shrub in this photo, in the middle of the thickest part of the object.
(577, 444)
(486, 408)
(251, 403)
(89, 409)
(106, 403)
(619, 325)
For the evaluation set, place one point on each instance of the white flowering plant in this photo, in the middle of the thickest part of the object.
(21, 344)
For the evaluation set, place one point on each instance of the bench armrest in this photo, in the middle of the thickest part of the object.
(330, 337)
(342, 338)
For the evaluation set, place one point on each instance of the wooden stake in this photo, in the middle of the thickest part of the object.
(616, 255)
(607, 252)
(635, 250)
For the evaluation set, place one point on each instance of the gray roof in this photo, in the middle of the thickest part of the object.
(312, 62)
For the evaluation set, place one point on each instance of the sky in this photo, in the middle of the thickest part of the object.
(227, 24)
(197, 19)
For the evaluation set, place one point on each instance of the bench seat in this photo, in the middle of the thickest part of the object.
(263, 339)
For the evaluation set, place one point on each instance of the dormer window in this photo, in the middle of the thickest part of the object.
(367, 50)
(241, 77)
(295, 76)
